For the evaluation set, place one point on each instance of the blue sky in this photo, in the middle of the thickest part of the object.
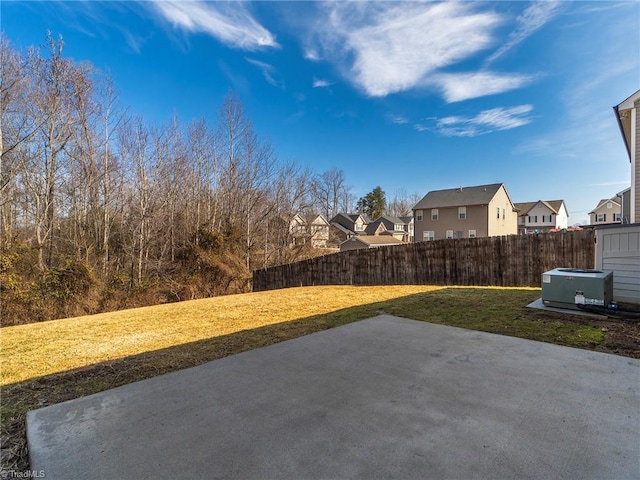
(412, 96)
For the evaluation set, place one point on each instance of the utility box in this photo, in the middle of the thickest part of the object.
(567, 287)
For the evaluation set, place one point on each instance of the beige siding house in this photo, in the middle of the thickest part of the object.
(465, 212)
(628, 116)
(309, 228)
(607, 211)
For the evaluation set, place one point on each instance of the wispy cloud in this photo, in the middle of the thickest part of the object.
(397, 119)
(464, 86)
(319, 83)
(390, 47)
(231, 23)
(487, 121)
(268, 71)
(609, 184)
(534, 17)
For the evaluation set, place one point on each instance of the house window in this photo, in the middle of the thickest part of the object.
(449, 233)
(472, 234)
(434, 214)
(601, 217)
(428, 235)
(359, 227)
(533, 219)
(503, 214)
(462, 213)
(497, 212)
(617, 217)
(458, 234)
(418, 215)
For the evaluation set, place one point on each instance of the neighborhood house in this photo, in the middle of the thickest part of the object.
(542, 216)
(465, 212)
(628, 117)
(609, 210)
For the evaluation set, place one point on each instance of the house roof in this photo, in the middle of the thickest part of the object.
(316, 220)
(459, 197)
(390, 220)
(602, 202)
(375, 228)
(406, 220)
(624, 118)
(376, 240)
(524, 207)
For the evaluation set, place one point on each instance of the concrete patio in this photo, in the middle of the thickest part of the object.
(380, 398)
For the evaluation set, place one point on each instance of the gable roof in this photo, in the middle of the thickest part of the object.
(524, 207)
(459, 197)
(316, 220)
(602, 202)
(406, 220)
(375, 228)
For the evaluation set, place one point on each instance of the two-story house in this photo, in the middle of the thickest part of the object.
(408, 227)
(628, 117)
(541, 216)
(309, 228)
(347, 225)
(465, 212)
(608, 210)
(388, 225)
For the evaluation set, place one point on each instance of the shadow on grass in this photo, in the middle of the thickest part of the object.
(485, 309)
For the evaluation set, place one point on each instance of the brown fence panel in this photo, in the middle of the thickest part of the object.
(515, 260)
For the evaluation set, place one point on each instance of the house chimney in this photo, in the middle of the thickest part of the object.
(460, 188)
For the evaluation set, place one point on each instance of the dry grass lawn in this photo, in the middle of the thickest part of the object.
(61, 345)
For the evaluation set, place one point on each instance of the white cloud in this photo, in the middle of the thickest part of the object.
(397, 119)
(390, 47)
(486, 121)
(230, 23)
(533, 18)
(268, 71)
(459, 87)
(318, 83)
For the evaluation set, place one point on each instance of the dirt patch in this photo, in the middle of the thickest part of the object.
(621, 336)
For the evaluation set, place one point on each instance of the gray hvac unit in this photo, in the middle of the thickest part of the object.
(570, 287)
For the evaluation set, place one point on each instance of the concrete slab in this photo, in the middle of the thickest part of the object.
(539, 305)
(381, 398)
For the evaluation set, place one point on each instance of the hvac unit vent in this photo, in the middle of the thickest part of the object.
(566, 287)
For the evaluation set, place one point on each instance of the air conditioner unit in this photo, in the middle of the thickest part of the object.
(567, 287)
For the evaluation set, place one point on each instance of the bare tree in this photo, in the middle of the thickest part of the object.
(331, 193)
(402, 203)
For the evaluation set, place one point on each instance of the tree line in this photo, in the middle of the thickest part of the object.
(100, 209)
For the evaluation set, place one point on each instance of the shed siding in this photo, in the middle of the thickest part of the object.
(618, 249)
(635, 168)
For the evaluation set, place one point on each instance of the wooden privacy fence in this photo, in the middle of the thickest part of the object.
(515, 260)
